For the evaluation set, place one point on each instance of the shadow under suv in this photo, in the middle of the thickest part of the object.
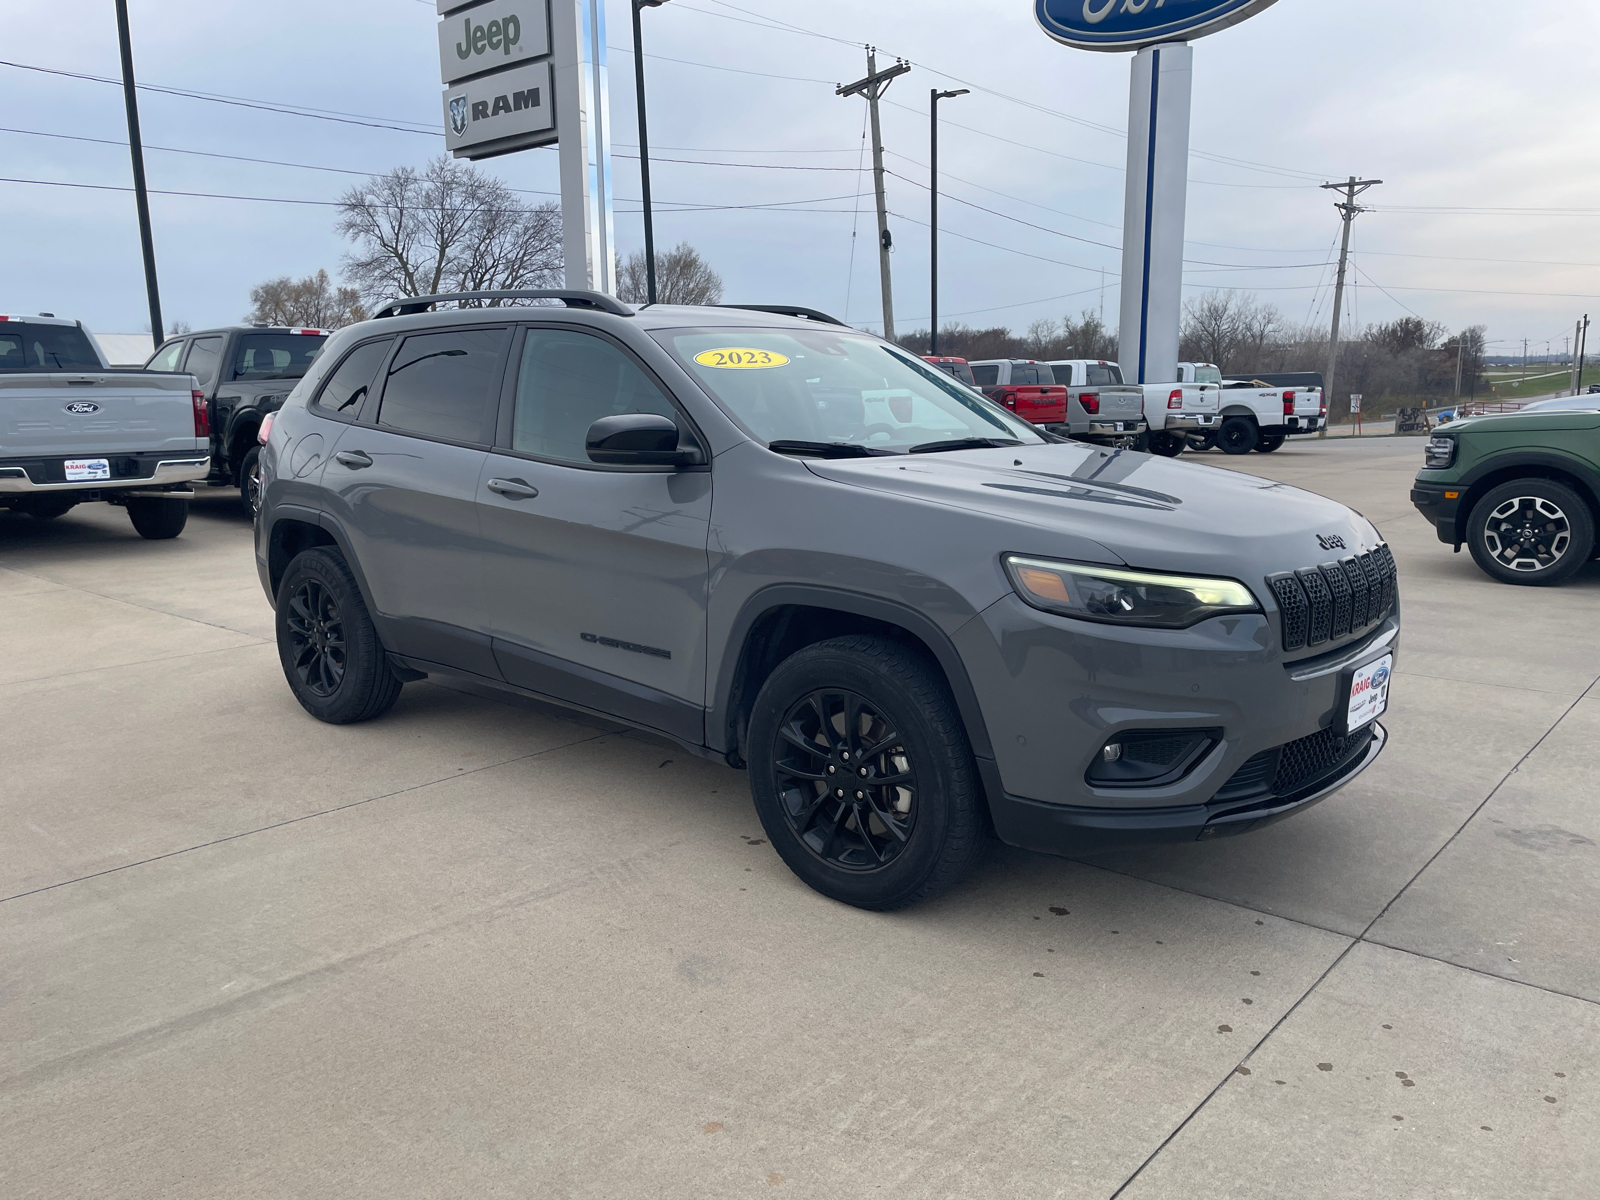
(799, 549)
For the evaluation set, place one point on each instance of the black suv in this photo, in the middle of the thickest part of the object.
(246, 372)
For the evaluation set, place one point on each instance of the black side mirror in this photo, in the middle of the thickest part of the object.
(637, 439)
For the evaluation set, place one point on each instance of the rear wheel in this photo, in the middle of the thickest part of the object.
(1167, 445)
(250, 482)
(158, 517)
(1238, 435)
(1531, 531)
(862, 775)
(1270, 442)
(1200, 441)
(329, 648)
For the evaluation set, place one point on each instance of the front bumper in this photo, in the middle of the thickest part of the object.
(166, 473)
(1181, 422)
(1441, 504)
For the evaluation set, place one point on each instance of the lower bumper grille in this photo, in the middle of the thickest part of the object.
(1296, 766)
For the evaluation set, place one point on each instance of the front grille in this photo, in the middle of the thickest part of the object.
(1336, 599)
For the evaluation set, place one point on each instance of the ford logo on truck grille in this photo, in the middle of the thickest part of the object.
(1132, 24)
(81, 408)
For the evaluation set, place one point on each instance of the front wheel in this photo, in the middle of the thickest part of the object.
(1167, 445)
(1238, 435)
(1531, 531)
(250, 482)
(329, 648)
(158, 518)
(1270, 442)
(862, 775)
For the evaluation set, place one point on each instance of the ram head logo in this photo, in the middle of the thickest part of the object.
(458, 115)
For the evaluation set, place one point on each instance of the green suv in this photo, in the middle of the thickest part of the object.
(1521, 490)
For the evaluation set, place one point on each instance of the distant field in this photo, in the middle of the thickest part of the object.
(1538, 382)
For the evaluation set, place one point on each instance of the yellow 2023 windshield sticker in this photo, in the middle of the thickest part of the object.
(741, 358)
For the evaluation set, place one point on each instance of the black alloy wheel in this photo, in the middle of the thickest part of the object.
(1238, 435)
(1201, 441)
(316, 632)
(250, 482)
(1531, 531)
(1270, 442)
(1167, 445)
(848, 788)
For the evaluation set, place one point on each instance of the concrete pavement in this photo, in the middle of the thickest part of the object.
(485, 947)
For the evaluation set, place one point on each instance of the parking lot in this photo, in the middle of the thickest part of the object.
(483, 947)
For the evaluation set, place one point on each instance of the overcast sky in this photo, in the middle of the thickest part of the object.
(1456, 104)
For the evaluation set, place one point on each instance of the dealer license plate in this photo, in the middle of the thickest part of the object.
(1369, 693)
(85, 470)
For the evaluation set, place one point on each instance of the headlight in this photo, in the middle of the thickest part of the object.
(1440, 453)
(1124, 597)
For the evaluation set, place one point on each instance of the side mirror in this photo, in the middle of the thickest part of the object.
(637, 439)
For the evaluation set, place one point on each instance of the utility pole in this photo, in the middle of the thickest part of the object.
(1583, 351)
(1524, 378)
(140, 198)
(1572, 357)
(935, 95)
(644, 154)
(1348, 211)
(873, 87)
(1461, 349)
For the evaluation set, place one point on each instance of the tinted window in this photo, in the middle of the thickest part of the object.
(1063, 375)
(1030, 375)
(347, 387)
(566, 383)
(1103, 374)
(985, 376)
(26, 347)
(202, 360)
(441, 385)
(275, 355)
(166, 358)
(1207, 375)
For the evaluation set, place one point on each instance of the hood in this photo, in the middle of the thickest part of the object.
(1549, 420)
(1151, 512)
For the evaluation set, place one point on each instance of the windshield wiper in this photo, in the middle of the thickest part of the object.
(966, 443)
(824, 449)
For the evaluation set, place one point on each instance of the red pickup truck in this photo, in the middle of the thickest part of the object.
(1026, 387)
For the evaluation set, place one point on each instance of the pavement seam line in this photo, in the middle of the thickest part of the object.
(143, 662)
(50, 887)
(1359, 939)
(144, 607)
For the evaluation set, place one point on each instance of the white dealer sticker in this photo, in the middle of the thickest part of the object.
(85, 470)
(1369, 693)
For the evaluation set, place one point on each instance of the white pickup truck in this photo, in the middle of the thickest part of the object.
(1257, 414)
(73, 429)
(1172, 411)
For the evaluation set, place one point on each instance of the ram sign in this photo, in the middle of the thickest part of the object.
(495, 62)
(509, 110)
(1134, 24)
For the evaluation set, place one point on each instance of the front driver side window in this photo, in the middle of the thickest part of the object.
(567, 382)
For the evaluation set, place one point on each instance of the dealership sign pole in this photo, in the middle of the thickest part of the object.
(1158, 31)
(526, 73)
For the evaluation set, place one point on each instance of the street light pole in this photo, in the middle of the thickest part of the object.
(644, 152)
(140, 198)
(935, 95)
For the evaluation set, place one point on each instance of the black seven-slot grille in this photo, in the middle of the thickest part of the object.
(1336, 599)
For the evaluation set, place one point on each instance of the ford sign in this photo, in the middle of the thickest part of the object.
(1134, 24)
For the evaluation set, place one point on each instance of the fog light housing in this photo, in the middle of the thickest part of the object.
(1150, 757)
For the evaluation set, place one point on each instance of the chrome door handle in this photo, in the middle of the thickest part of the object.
(513, 489)
(354, 459)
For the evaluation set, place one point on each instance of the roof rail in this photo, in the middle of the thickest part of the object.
(787, 310)
(571, 297)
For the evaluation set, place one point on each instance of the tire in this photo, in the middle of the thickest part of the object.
(1167, 445)
(1201, 441)
(250, 482)
(329, 649)
(48, 508)
(1270, 442)
(156, 517)
(920, 839)
(1238, 435)
(1532, 531)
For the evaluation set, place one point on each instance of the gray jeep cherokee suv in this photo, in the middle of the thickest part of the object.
(796, 548)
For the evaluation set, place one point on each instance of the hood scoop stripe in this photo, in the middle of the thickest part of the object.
(1098, 494)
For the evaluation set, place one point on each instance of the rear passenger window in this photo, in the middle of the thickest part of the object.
(1063, 376)
(347, 387)
(986, 376)
(203, 358)
(567, 382)
(442, 385)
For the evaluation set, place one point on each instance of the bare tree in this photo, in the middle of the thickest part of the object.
(310, 301)
(447, 228)
(682, 277)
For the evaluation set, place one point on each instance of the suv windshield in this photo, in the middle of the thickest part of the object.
(822, 386)
(1207, 375)
(275, 355)
(25, 347)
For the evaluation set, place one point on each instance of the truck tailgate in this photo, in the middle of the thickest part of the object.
(1117, 403)
(74, 415)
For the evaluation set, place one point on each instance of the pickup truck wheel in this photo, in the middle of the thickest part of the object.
(862, 775)
(156, 517)
(250, 482)
(1270, 442)
(330, 652)
(1201, 441)
(1167, 445)
(1238, 435)
(1531, 531)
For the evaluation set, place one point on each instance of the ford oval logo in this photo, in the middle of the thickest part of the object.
(1132, 24)
(82, 408)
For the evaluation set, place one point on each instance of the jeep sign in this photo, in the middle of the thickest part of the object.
(1134, 24)
(507, 105)
(489, 37)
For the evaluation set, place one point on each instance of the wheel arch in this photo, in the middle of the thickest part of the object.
(1240, 410)
(1549, 467)
(780, 620)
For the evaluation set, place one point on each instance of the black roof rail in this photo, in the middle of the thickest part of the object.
(572, 298)
(787, 310)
